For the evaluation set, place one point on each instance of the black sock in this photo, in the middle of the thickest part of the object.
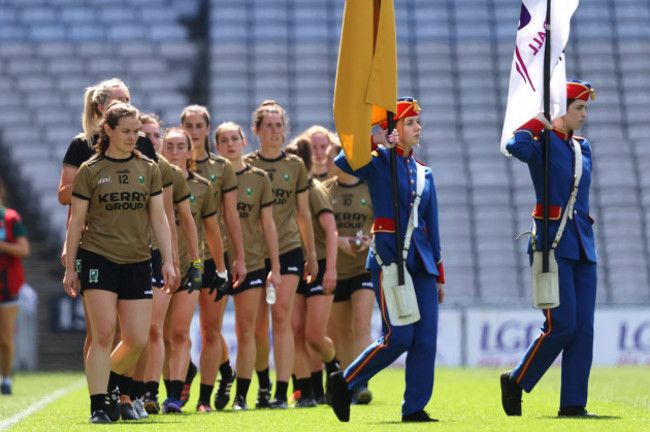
(242, 387)
(304, 385)
(125, 384)
(113, 380)
(137, 389)
(281, 388)
(175, 389)
(191, 373)
(263, 378)
(332, 366)
(151, 387)
(168, 384)
(97, 402)
(317, 383)
(206, 392)
(294, 384)
(226, 370)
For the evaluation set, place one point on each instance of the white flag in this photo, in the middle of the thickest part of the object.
(526, 91)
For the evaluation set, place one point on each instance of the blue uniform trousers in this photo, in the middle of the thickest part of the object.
(417, 339)
(569, 329)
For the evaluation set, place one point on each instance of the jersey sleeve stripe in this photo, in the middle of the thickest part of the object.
(209, 215)
(182, 199)
(78, 195)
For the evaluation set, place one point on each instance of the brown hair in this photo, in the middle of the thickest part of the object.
(151, 118)
(202, 111)
(191, 164)
(96, 95)
(228, 125)
(112, 116)
(269, 107)
(334, 148)
(301, 147)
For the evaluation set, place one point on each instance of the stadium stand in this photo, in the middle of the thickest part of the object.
(455, 57)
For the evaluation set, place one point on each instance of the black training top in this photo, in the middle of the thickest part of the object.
(79, 151)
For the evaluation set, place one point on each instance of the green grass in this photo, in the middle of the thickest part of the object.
(463, 400)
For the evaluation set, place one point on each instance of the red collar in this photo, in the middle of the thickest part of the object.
(563, 135)
(400, 151)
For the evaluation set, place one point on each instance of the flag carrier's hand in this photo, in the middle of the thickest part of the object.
(392, 139)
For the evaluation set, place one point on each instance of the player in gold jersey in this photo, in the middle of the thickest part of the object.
(255, 206)
(97, 99)
(118, 193)
(177, 147)
(313, 303)
(354, 298)
(293, 221)
(147, 374)
(195, 119)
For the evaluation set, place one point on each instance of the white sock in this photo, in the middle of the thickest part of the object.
(6, 380)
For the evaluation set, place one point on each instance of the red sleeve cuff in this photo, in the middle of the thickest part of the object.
(533, 125)
(441, 273)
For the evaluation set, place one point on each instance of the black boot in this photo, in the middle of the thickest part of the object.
(510, 394)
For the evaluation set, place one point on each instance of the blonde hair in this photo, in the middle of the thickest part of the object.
(202, 111)
(269, 107)
(321, 130)
(96, 95)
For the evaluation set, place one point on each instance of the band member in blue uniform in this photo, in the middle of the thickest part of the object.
(569, 328)
(424, 264)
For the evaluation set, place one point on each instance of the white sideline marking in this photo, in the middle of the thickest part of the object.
(39, 405)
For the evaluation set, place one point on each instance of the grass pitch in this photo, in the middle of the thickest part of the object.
(463, 400)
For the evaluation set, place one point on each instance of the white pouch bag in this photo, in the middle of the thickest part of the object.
(401, 302)
(546, 286)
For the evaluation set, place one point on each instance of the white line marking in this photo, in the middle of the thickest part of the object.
(39, 405)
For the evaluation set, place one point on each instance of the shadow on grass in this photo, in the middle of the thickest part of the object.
(588, 418)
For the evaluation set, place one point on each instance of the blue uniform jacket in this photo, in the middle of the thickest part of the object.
(425, 243)
(578, 235)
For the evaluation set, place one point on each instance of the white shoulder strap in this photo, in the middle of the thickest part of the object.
(577, 175)
(413, 217)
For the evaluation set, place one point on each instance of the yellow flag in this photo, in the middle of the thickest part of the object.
(366, 74)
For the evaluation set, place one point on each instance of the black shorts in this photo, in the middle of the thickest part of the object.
(254, 279)
(129, 281)
(315, 287)
(291, 262)
(157, 279)
(345, 287)
(209, 270)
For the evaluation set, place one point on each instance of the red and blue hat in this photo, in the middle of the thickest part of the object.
(576, 89)
(406, 107)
